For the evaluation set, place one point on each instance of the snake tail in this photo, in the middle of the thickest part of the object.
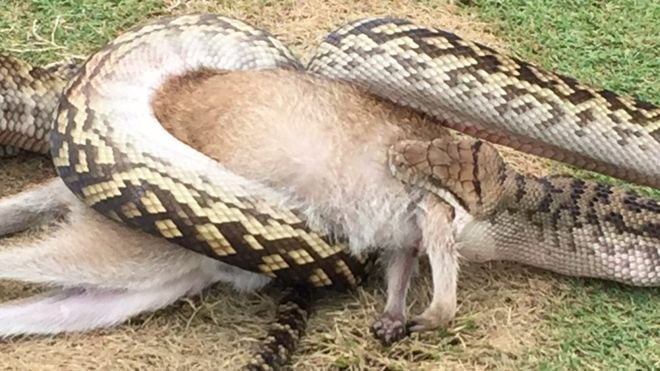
(285, 332)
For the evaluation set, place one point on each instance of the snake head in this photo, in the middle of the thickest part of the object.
(467, 172)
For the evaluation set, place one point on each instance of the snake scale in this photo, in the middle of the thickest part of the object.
(123, 164)
(568, 225)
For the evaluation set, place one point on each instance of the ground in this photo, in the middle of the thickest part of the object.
(510, 317)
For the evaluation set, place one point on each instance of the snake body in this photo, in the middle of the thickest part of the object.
(475, 90)
(168, 189)
(29, 99)
(564, 224)
(122, 163)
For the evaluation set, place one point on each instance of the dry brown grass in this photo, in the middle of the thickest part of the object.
(501, 315)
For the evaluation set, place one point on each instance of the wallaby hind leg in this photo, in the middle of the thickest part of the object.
(88, 250)
(41, 203)
(108, 277)
(80, 309)
(84, 249)
(108, 273)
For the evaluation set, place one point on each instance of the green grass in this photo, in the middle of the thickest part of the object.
(616, 45)
(611, 44)
(606, 326)
(43, 31)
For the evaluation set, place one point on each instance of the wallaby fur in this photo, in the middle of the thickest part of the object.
(324, 143)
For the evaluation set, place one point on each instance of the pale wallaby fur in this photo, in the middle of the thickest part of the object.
(324, 143)
(105, 272)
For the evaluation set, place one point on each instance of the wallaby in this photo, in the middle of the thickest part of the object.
(323, 142)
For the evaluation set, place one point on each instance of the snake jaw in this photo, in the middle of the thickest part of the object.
(400, 166)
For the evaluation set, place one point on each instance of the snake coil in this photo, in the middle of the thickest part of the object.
(100, 148)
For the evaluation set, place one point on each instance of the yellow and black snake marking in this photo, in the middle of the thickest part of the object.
(167, 189)
(155, 183)
(112, 152)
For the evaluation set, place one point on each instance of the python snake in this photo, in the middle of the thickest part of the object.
(571, 226)
(122, 163)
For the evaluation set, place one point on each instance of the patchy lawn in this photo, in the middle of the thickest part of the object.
(510, 317)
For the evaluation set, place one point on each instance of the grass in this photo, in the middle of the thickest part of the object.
(510, 317)
(47, 30)
(613, 44)
(607, 326)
